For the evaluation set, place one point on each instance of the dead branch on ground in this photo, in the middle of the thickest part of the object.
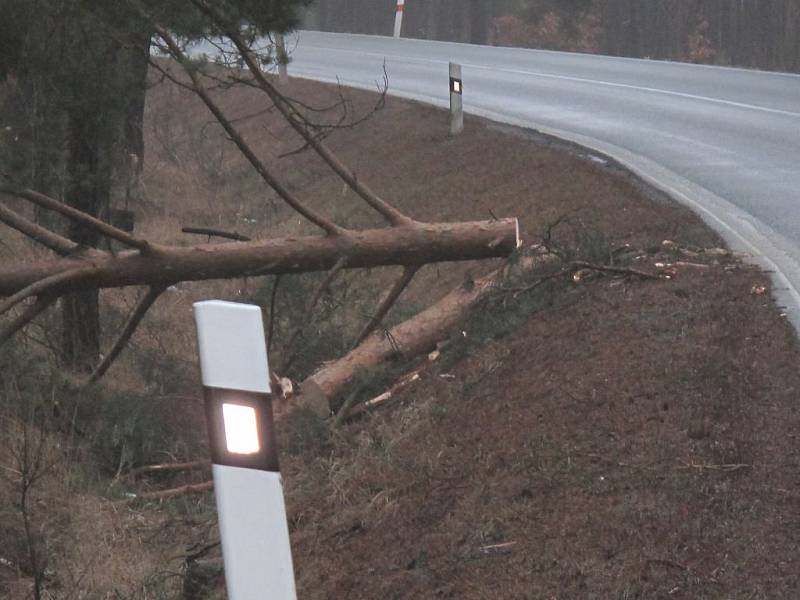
(168, 468)
(192, 488)
(228, 235)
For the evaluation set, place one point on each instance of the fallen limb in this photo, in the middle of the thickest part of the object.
(228, 235)
(168, 467)
(192, 488)
(413, 337)
(403, 246)
(579, 264)
(379, 400)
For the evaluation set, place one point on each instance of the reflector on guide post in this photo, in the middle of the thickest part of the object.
(398, 17)
(247, 481)
(456, 100)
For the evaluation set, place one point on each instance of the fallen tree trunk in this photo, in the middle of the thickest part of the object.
(413, 337)
(406, 246)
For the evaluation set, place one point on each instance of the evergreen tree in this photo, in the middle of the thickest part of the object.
(81, 73)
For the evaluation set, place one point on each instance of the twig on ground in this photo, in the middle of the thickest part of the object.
(192, 488)
(715, 467)
(273, 298)
(229, 235)
(168, 467)
(580, 264)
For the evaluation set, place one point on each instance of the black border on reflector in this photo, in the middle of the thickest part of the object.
(453, 86)
(266, 459)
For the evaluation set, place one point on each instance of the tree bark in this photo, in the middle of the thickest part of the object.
(413, 337)
(405, 246)
(88, 190)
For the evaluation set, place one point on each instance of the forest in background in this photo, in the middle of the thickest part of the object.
(744, 33)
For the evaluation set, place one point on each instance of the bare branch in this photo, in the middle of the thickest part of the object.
(230, 235)
(324, 285)
(579, 264)
(387, 303)
(272, 300)
(311, 215)
(389, 212)
(130, 327)
(76, 215)
(45, 285)
(55, 242)
(28, 315)
(192, 488)
(168, 467)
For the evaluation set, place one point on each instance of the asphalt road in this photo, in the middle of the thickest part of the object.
(724, 141)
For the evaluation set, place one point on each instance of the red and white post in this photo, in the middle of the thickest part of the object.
(398, 17)
(244, 456)
(282, 58)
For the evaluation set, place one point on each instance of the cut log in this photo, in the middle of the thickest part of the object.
(405, 246)
(416, 336)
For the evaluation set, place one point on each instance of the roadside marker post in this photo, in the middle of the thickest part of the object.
(398, 17)
(283, 58)
(456, 100)
(247, 481)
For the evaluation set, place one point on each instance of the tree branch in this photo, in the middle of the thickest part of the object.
(311, 215)
(387, 303)
(130, 327)
(389, 212)
(425, 243)
(273, 298)
(55, 242)
(44, 285)
(340, 264)
(76, 215)
(28, 315)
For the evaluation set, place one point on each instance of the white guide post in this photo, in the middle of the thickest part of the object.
(398, 17)
(247, 481)
(283, 58)
(456, 100)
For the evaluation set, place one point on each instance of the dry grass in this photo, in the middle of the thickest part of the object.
(579, 456)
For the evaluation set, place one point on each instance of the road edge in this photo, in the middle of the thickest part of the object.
(756, 241)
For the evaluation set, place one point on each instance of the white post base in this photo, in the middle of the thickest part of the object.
(255, 537)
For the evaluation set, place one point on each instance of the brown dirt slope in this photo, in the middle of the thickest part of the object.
(632, 440)
(626, 439)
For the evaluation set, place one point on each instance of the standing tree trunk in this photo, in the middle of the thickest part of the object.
(88, 189)
(138, 60)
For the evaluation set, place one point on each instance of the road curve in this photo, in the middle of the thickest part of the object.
(724, 141)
